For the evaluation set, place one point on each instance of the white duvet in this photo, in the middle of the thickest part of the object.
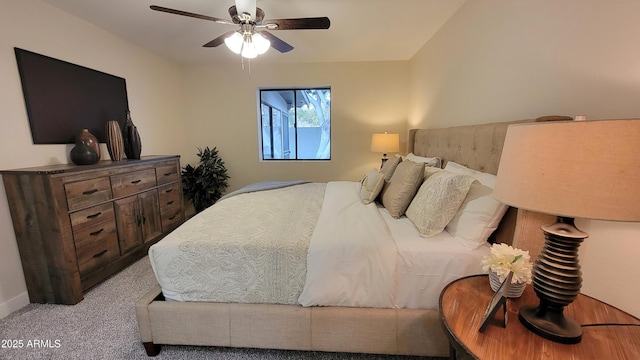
(352, 256)
(311, 245)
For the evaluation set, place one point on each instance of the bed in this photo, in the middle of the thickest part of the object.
(382, 314)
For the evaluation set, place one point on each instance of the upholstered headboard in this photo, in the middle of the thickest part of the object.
(478, 147)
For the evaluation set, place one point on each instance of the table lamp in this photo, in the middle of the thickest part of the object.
(584, 169)
(385, 143)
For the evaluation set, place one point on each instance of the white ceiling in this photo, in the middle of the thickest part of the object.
(361, 30)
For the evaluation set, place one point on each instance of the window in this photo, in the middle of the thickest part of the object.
(296, 124)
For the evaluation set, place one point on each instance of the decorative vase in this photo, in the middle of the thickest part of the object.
(131, 138)
(83, 154)
(515, 290)
(115, 145)
(88, 138)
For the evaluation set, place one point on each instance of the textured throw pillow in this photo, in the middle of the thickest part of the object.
(370, 186)
(389, 167)
(403, 185)
(480, 213)
(437, 201)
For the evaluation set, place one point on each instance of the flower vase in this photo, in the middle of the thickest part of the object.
(515, 290)
(131, 137)
(115, 145)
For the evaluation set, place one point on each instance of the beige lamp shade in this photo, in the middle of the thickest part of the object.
(385, 143)
(579, 169)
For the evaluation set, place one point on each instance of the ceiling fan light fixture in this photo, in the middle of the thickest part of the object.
(249, 50)
(235, 42)
(261, 43)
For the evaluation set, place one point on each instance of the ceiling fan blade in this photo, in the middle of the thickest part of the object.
(276, 42)
(184, 13)
(247, 6)
(301, 23)
(219, 40)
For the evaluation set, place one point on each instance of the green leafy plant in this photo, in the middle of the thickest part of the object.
(204, 184)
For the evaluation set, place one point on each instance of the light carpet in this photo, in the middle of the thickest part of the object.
(103, 326)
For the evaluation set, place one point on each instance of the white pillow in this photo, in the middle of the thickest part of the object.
(480, 213)
(371, 185)
(437, 201)
(484, 178)
(428, 161)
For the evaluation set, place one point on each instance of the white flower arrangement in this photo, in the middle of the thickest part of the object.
(504, 258)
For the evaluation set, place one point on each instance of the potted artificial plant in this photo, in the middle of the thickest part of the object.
(203, 185)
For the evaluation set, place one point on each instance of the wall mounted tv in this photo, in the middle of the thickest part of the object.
(63, 98)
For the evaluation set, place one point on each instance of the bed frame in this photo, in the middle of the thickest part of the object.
(333, 329)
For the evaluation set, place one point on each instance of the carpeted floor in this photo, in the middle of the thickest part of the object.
(103, 326)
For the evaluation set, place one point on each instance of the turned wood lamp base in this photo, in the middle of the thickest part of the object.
(556, 280)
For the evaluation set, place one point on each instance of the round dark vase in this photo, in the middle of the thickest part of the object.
(89, 139)
(83, 154)
(131, 137)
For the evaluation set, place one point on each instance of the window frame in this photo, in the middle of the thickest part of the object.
(261, 103)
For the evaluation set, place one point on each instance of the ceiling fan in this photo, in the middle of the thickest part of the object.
(253, 39)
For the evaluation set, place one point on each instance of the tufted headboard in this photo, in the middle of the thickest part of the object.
(478, 147)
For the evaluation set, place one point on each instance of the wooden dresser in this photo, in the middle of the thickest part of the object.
(77, 225)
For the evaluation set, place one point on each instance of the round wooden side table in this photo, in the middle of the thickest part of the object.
(463, 303)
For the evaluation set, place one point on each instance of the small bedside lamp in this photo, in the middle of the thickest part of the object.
(385, 143)
(585, 169)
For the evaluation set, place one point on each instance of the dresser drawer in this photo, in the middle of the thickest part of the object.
(96, 246)
(130, 183)
(171, 217)
(169, 196)
(167, 174)
(91, 216)
(85, 193)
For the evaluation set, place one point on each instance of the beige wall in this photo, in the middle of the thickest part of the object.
(366, 98)
(507, 60)
(154, 87)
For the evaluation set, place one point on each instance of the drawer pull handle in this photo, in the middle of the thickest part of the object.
(173, 217)
(89, 192)
(96, 232)
(167, 174)
(136, 181)
(100, 253)
(170, 202)
(94, 215)
(168, 191)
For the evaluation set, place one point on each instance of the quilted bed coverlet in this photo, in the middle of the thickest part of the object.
(250, 248)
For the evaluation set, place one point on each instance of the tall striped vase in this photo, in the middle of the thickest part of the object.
(115, 144)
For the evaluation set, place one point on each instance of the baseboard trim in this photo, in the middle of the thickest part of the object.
(14, 304)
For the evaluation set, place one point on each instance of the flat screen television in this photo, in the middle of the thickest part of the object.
(63, 98)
